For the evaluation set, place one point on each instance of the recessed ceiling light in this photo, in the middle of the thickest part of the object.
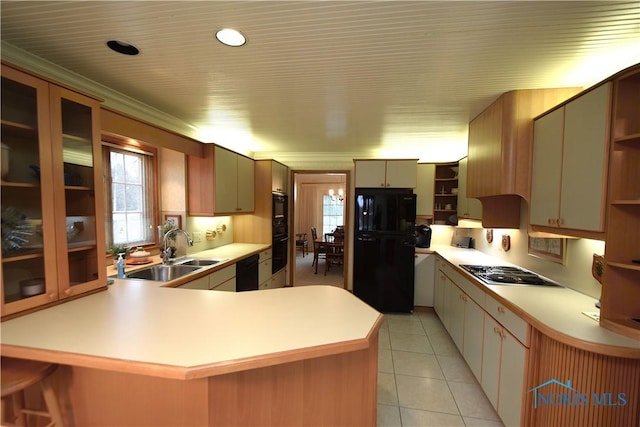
(230, 37)
(123, 47)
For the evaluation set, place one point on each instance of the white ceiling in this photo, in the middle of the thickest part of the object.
(328, 81)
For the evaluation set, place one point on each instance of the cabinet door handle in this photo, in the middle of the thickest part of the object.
(52, 295)
(560, 221)
(496, 330)
(501, 310)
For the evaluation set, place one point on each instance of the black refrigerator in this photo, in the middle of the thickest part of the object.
(384, 248)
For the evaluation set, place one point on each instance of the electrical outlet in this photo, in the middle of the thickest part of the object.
(197, 236)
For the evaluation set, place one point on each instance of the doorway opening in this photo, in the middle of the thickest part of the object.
(320, 201)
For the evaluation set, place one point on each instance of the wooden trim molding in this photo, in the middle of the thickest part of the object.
(121, 125)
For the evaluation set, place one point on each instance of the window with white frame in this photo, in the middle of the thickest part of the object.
(332, 213)
(130, 191)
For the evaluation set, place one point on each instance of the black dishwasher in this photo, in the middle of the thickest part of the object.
(247, 274)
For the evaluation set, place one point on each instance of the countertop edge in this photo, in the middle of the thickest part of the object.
(193, 372)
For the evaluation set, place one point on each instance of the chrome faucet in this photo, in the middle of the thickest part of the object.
(166, 252)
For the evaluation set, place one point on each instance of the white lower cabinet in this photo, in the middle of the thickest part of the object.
(492, 339)
(220, 280)
(473, 336)
(503, 364)
(455, 304)
(201, 283)
(224, 279)
(439, 301)
(264, 269)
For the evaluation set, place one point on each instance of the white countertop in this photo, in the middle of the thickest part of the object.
(142, 327)
(552, 310)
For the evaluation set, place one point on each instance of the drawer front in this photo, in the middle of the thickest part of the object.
(229, 286)
(264, 255)
(477, 294)
(221, 276)
(514, 324)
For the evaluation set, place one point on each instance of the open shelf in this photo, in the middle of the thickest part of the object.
(621, 286)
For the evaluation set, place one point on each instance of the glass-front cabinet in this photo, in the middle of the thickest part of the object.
(52, 215)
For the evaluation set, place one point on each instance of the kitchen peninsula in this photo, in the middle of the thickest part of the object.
(143, 354)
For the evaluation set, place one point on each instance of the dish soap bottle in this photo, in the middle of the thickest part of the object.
(120, 266)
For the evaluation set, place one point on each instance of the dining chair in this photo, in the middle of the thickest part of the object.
(302, 242)
(319, 249)
(334, 255)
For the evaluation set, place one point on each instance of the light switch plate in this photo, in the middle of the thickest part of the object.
(197, 236)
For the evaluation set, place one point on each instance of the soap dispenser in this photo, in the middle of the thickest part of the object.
(120, 266)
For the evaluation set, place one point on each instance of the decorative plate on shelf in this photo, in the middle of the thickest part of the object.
(16, 230)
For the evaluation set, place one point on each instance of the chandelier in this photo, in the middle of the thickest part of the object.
(334, 196)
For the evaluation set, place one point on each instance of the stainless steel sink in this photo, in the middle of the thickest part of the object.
(201, 262)
(163, 273)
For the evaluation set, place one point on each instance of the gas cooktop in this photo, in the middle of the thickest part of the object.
(506, 275)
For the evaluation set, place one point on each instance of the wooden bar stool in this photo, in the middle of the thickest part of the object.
(17, 375)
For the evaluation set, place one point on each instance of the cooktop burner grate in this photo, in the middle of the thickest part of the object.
(506, 275)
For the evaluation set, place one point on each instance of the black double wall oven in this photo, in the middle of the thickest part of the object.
(279, 232)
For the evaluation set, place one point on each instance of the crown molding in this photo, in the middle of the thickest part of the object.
(112, 99)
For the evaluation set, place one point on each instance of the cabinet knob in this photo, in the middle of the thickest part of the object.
(496, 330)
(67, 291)
(52, 295)
(501, 310)
(559, 221)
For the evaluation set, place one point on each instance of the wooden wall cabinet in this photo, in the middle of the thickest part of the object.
(231, 175)
(620, 307)
(445, 200)
(468, 207)
(257, 228)
(401, 173)
(424, 190)
(279, 177)
(52, 195)
(500, 141)
(569, 165)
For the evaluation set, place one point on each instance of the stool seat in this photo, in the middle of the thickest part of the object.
(17, 375)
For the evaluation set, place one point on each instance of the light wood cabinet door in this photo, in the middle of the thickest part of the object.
(52, 196)
(426, 173)
(226, 180)
(546, 168)
(402, 173)
(468, 207)
(491, 352)
(584, 158)
(386, 173)
(512, 365)
(456, 303)
(280, 178)
(371, 174)
(245, 188)
(473, 336)
(570, 154)
(438, 293)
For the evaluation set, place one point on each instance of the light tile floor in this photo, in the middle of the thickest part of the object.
(422, 378)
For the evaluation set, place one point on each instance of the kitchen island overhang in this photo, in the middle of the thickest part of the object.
(156, 347)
